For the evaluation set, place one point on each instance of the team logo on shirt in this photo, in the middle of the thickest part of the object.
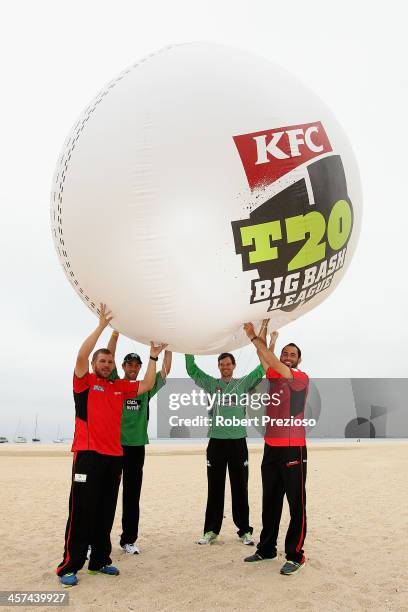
(98, 388)
(297, 239)
(133, 404)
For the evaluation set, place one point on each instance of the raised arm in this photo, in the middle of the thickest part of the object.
(150, 377)
(262, 336)
(112, 344)
(160, 379)
(251, 380)
(272, 341)
(200, 378)
(82, 361)
(166, 365)
(263, 330)
(266, 355)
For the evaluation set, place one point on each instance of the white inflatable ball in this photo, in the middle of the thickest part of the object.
(202, 188)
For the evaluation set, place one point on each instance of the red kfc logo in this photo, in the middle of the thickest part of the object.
(268, 155)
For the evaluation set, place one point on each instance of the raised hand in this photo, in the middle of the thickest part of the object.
(263, 329)
(249, 330)
(88, 345)
(274, 337)
(156, 350)
(105, 316)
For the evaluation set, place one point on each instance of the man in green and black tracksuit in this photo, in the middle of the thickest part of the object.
(227, 446)
(135, 418)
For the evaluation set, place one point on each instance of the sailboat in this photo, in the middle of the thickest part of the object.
(18, 439)
(58, 439)
(35, 438)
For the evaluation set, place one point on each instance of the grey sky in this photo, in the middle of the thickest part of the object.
(56, 56)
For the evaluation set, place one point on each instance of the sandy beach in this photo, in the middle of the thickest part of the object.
(355, 556)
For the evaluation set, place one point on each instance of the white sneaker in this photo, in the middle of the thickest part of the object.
(247, 539)
(208, 538)
(131, 549)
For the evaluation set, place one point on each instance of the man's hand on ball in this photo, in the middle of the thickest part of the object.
(249, 330)
(156, 350)
(105, 316)
(274, 337)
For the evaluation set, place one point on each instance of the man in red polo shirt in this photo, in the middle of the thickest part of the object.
(98, 454)
(285, 457)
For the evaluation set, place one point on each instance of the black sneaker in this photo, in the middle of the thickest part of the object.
(257, 557)
(291, 567)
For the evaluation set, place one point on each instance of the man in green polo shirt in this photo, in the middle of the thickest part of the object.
(135, 418)
(227, 445)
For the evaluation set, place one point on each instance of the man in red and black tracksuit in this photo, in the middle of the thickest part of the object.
(285, 457)
(97, 464)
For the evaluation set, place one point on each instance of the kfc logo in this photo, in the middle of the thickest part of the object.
(268, 155)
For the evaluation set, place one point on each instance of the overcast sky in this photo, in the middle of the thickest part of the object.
(55, 56)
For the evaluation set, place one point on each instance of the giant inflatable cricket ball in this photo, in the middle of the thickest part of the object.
(202, 188)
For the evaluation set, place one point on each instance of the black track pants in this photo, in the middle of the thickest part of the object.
(92, 505)
(133, 461)
(234, 455)
(283, 472)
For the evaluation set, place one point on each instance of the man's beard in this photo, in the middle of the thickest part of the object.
(102, 374)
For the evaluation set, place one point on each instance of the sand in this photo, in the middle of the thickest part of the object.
(355, 547)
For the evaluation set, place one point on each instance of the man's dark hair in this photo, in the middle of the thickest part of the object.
(295, 346)
(225, 355)
(100, 352)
